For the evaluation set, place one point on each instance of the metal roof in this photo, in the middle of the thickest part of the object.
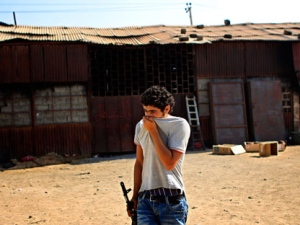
(159, 34)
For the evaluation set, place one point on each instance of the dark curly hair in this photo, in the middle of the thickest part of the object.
(158, 97)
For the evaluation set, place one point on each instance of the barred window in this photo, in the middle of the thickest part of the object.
(119, 71)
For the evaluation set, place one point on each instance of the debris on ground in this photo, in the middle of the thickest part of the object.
(51, 158)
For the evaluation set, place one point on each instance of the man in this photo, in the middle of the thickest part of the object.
(161, 141)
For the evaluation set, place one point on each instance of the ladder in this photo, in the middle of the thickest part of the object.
(194, 122)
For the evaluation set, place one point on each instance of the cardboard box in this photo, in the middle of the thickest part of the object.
(281, 145)
(222, 149)
(251, 146)
(228, 149)
(268, 148)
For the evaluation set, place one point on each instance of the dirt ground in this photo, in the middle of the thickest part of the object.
(221, 189)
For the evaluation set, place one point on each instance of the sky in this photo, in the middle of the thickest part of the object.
(128, 13)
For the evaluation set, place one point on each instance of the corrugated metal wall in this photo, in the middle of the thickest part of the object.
(220, 60)
(43, 63)
(244, 59)
(296, 98)
(120, 74)
(273, 59)
(31, 63)
(114, 119)
(234, 61)
(127, 71)
(18, 142)
(14, 64)
(63, 139)
(296, 55)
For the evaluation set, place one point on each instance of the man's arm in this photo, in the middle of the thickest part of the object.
(168, 157)
(138, 167)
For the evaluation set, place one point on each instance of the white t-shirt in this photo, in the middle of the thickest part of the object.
(175, 133)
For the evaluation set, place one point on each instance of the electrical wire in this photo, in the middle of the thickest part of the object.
(133, 7)
(105, 7)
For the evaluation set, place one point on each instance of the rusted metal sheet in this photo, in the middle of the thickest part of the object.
(288, 121)
(114, 120)
(296, 111)
(14, 64)
(77, 58)
(273, 59)
(37, 63)
(21, 63)
(55, 63)
(98, 110)
(180, 105)
(16, 142)
(244, 59)
(6, 67)
(154, 34)
(43, 63)
(265, 99)
(296, 59)
(59, 63)
(63, 139)
(207, 133)
(20, 59)
(229, 119)
(220, 60)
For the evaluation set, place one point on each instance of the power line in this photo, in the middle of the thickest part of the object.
(106, 8)
(79, 4)
(81, 10)
(65, 8)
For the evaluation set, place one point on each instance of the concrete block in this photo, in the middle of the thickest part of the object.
(43, 92)
(6, 121)
(79, 106)
(202, 84)
(23, 108)
(7, 108)
(61, 91)
(78, 90)
(41, 107)
(203, 97)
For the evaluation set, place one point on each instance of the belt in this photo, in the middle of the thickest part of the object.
(163, 199)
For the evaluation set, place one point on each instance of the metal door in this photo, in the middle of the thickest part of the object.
(229, 121)
(267, 121)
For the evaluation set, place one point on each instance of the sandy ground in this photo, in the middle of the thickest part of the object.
(230, 189)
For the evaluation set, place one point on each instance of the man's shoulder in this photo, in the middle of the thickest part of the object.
(173, 122)
(178, 119)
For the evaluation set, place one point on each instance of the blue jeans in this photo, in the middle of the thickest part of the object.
(151, 212)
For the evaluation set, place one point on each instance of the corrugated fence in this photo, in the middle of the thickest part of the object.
(38, 141)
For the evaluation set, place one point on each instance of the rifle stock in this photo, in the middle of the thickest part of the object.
(130, 204)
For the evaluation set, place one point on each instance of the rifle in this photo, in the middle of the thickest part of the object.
(129, 203)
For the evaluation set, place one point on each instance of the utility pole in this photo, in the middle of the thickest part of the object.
(15, 18)
(189, 9)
